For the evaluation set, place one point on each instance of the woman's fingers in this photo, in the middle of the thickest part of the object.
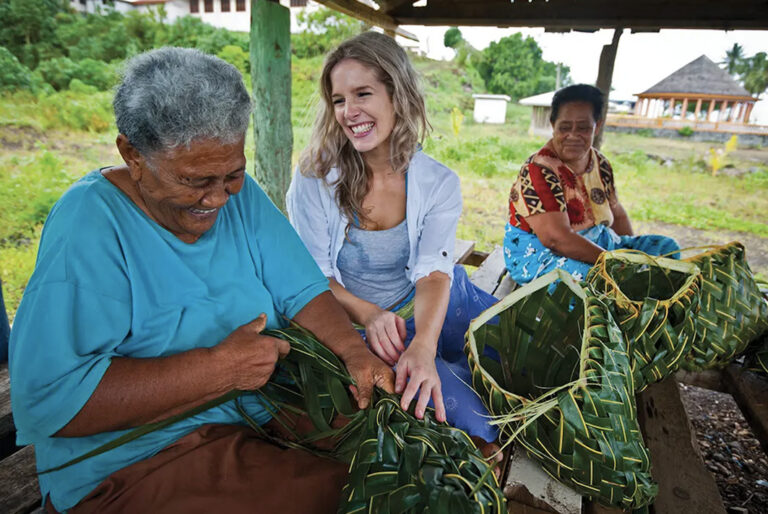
(393, 334)
(381, 346)
(402, 331)
(437, 399)
(425, 392)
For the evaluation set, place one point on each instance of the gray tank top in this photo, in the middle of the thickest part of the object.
(372, 264)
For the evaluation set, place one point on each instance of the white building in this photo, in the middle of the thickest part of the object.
(227, 14)
(490, 108)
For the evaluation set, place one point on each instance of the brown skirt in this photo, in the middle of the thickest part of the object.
(221, 468)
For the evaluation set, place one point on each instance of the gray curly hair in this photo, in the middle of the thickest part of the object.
(171, 96)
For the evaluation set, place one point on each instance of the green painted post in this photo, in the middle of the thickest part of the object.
(271, 79)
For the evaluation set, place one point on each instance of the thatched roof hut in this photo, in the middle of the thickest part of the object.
(699, 91)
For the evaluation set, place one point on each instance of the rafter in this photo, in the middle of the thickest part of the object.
(368, 15)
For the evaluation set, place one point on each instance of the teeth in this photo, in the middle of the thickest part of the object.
(201, 211)
(365, 127)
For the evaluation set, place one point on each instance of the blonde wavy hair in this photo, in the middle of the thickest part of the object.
(329, 147)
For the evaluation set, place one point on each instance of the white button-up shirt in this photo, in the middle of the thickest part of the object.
(433, 206)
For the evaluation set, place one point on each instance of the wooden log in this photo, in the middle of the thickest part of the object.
(271, 77)
(462, 250)
(605, 77)
(369, 15)
(489, 274)
(685, 485)
(711, 379)
(19, 491)
(751, 394)
(7, 428)
(506, 286)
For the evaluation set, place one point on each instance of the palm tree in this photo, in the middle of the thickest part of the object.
(734, 59)
(755, 73)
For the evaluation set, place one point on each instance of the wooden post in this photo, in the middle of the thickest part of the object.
(723, 108)
(750, 106)
(734, 110)
(684, 110)
(271, 77)
(639, 106)
(672, 108)
(710, 109)
(605, 77)
(698, 110)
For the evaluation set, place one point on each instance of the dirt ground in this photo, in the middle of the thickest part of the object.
(729, 448)
(756, 246)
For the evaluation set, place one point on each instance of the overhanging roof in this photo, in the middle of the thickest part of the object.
(564, 15)
(700, 76)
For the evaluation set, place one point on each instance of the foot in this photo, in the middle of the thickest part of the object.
(491, 452)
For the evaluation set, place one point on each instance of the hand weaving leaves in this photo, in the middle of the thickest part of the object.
(398, 463)
(555, 373)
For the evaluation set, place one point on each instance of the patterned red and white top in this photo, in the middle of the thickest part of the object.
(547, 184)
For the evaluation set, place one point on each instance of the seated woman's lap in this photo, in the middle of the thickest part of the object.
(224, 468)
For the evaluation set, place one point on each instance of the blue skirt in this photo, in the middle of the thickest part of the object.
(527, 258)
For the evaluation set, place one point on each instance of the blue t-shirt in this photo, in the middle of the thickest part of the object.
(108, 282)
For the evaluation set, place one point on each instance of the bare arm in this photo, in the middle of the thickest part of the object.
(326, 318)
(416, 370)
(554, 231)
(133, 391)
(384, 330)
(621, 224)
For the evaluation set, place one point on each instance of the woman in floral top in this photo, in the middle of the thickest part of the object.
(563, 208)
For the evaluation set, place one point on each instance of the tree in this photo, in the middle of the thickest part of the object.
(28, 27)
(322, 30)
(514, 66)
(452, 37)
(734, 59)
(754, 74)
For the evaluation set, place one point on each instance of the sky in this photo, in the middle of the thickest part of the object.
(642, 59)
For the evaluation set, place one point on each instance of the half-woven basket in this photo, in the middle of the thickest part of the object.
(733, 311)
(655, 301)
(553, 370)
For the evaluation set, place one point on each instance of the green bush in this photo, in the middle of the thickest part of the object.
(13, 74)
(685, 131)
(645, 132)
(66, 110)
(237, 57)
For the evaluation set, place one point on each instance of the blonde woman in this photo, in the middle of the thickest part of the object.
(379, 217)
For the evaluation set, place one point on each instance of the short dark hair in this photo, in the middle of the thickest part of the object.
(578, 93)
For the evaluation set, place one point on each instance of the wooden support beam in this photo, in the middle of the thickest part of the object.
(751, 394)
(698, 109)
(462, 250)
(19, 491)
(710, 109)
(605, 77)
(685, 485)
(684, 110)
(271, 78)
(722, 114)
(369, 15)
(750, 106)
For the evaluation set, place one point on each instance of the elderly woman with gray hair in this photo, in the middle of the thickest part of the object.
(153, 282)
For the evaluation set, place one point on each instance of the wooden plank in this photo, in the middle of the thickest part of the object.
(19, 491)
(368, 15)
(506, 286)
(6, 420)
(489, 274)
(462, 250)
(685, 485)
(751, 394)
(271, 76)
(711, 379)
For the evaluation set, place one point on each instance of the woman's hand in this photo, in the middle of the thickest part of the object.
(385, 333)
(368, 371)
(416, 373)
(252, 356)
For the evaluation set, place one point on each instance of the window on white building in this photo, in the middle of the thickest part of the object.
(224, 5)
(240, 5)
(208, 5)
(194, 6)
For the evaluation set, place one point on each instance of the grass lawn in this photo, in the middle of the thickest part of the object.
(38, 161)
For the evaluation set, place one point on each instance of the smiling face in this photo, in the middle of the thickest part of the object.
(573, 131)
(362, 106)
(184, 189)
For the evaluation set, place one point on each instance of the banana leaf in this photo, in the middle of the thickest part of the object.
(655, 302)
(733, 311)
(555, 373)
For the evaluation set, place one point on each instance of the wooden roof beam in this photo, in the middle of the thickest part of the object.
(369, 15)
(585, 15)
(390, 5)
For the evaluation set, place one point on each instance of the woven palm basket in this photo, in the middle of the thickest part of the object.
(733, 311)
(553, 370)
(655, 301)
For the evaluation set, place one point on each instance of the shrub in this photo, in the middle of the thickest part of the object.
(645, 132)
(57, 72)
(91, 112)
(13, 74)
(95, 73)
(685, 131)
(237, 57)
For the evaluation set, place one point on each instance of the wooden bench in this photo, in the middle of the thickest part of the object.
(685, 485)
